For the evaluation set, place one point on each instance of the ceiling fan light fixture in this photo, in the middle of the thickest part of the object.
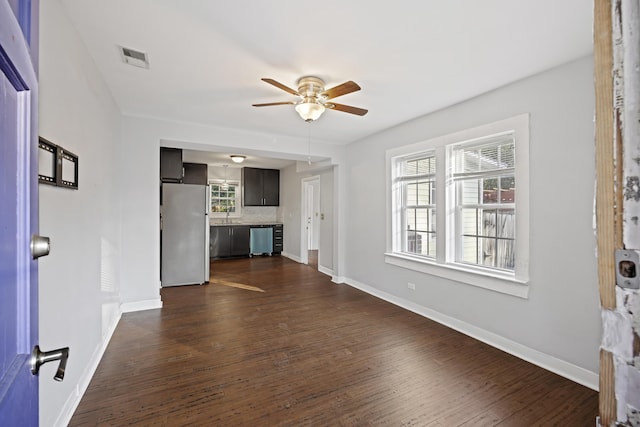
(237, 158)
(310, 109)
(314, 97)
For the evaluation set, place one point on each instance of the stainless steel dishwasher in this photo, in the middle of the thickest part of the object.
(261, 241)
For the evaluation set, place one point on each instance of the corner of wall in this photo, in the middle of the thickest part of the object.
(292, 257)
(73, 400)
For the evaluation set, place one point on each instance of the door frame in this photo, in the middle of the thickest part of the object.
(311, 184)
(617, 134)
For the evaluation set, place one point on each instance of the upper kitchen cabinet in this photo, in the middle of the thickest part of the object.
(195, 173)
(261, 187)
(171, 164)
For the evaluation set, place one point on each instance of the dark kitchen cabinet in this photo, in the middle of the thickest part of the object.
(252, 186)
(195, 173)
(277, 239)
(261, 187)
(220, 242)
(229, 241)
(171, 164)
(271, 187)
(240, 237)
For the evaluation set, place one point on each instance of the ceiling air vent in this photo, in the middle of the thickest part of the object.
(135, 58)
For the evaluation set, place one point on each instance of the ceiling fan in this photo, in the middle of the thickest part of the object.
(314, 97)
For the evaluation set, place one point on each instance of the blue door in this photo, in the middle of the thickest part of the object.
(18, 222)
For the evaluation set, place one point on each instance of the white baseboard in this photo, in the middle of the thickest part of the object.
(292, 257)
(338, 279)
(565, 369)
(149, 304)
(73, 401)
(321, 269)
(325, 270)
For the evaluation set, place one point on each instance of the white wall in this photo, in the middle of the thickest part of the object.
(561, 318)
(233, 173)
(291, 201)
(79, 281)
(325, 250)
(291, 210)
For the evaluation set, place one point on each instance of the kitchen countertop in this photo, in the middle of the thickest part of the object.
(258, 224)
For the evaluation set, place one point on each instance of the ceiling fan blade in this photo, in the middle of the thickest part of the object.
(281, 86)
(347, 109)
(343, 89)
(268, 104)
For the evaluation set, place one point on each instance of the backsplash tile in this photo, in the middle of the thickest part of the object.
(253, 215)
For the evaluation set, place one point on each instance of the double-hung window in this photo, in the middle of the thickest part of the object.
(484, 186)
(417, 178)
(458, 206)
(225, 199)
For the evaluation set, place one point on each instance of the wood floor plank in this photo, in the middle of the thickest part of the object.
(309, 352)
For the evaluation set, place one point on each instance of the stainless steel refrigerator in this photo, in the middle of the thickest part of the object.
(185, 234)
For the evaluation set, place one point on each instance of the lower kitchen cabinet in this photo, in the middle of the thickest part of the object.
(219, 242)
(240, 240)
(229, 241)
(277, 238)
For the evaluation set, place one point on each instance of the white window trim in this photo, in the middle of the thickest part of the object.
(401, 239)
(238, 212)
(516, 283)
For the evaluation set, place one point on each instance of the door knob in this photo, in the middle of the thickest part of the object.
(39, 358)
(40, 246)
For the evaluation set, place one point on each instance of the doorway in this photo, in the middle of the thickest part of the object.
(310, 221)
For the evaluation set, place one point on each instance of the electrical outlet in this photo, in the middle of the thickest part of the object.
(411, 286)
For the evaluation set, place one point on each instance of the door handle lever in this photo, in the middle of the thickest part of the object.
(39, 358)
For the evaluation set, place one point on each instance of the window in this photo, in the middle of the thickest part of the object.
(454, 210)
(418, 186)
(484, 186)
(225, 199)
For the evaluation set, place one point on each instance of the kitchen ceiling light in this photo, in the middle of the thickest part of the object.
(225, 184)
(310, 109)
(238, 158)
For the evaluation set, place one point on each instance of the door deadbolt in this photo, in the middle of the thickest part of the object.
(40, 246)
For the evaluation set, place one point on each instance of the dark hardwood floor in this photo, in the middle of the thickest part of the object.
(313, 258)
(308, 352)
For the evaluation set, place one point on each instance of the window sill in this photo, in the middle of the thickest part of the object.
(503, 283)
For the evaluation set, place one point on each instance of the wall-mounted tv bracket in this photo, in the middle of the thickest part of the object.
(628, 268)
(57, 166)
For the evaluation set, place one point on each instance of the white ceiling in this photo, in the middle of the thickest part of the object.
(217, 159)
(410, 57)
